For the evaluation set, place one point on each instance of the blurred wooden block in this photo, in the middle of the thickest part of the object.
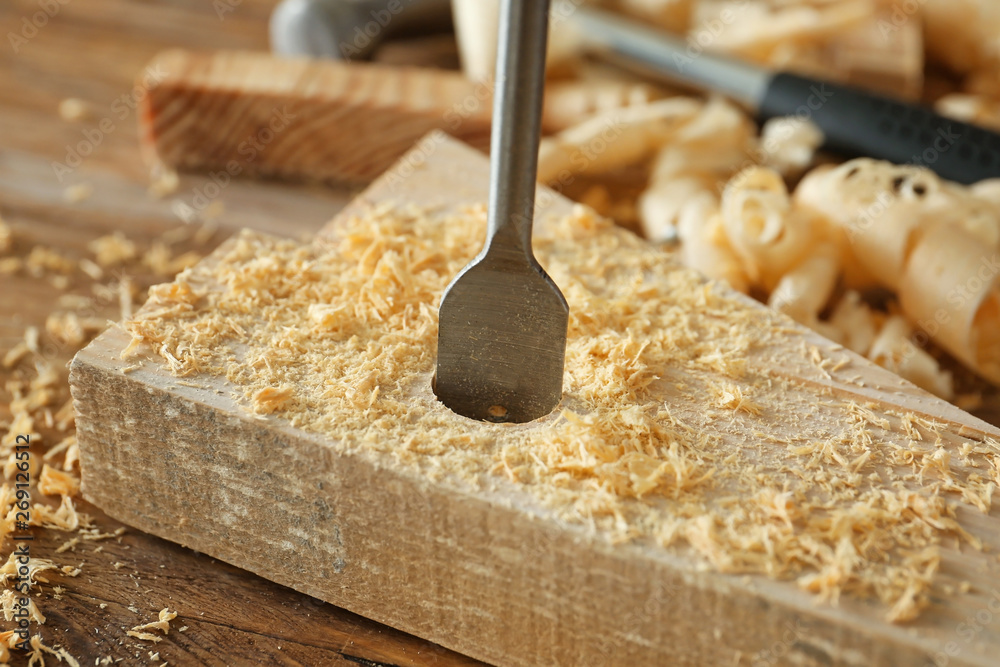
(240, 113)
(245, 113)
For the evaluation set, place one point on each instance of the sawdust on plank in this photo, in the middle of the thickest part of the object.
(339, 339)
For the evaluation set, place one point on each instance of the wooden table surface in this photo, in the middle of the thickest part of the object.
(93, 50)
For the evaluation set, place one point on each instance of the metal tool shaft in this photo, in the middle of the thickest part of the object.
(633, 44)
(517, 114)
(351, 29)
(503, 321)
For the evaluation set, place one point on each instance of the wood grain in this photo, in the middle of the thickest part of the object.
(311, 120)
(463, 566)
(258, 114)
(232, 618)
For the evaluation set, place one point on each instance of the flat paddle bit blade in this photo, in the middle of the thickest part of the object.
(502, 341)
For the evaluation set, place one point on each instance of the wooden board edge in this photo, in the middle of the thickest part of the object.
(532, 589)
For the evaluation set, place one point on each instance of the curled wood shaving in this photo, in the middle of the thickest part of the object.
(22, 424)
(54, 482)
(64, 517)
(160, 259)
(15, 354)
(9, 601)
(165, 182)
(8, 640)
(270, 399)
(11, 468)
(62, 447)
(113, 249)
(42, 260)
(71, 329)
(73, 109)
(35, 565)
(163, 625)
(38, 651)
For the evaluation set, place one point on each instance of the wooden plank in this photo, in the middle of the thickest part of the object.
(346, 122)
(487, 570)
(93, 50)
(251, 113)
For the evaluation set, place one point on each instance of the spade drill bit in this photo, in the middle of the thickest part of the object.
(502, 335)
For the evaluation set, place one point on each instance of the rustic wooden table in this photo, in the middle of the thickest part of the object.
(93, 50)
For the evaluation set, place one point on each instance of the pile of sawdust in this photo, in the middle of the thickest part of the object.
(667, 431)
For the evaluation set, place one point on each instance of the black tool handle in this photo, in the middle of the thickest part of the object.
(855, 122)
